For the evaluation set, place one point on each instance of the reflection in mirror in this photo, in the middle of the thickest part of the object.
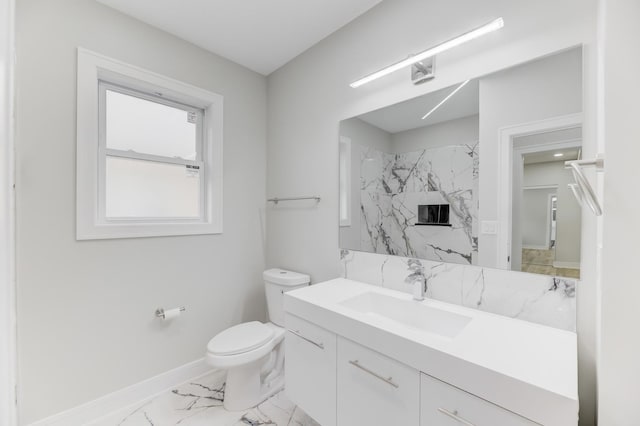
(546, 215)
(415, 178)
(412, 174)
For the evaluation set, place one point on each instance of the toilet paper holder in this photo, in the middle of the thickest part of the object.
(160, 312)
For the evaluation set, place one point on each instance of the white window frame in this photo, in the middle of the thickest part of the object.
(96, 74)
(105, 151)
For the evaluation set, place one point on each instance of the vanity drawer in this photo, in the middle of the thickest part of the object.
(310, 369)
(446, 405)
(375, 390)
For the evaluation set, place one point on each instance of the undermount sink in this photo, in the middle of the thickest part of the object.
(409, 313)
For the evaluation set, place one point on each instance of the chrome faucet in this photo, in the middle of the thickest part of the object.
(417, 279)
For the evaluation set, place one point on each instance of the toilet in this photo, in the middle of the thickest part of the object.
(253, 352)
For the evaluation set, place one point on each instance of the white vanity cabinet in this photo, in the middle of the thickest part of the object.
(352, 364)
(310, 369)
(445, 405)
(374, 389)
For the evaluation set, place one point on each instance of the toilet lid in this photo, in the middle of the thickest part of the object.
(240, 338)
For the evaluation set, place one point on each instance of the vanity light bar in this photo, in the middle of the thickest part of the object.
(445, 99)
(473, 34)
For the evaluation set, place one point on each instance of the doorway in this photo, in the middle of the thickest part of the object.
(532, 157)
(546, 217)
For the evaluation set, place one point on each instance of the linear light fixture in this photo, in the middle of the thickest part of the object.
(457, 41)
(446, 99)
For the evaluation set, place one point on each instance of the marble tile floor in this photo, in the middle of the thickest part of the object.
(199, 403)
(541, 262)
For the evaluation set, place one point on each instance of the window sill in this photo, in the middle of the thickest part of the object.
(138, 230)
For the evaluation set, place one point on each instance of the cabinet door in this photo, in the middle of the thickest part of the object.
(310, 369)
(446, 405)
(375, 390)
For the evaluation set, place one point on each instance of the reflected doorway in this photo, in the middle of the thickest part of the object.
(546, 216)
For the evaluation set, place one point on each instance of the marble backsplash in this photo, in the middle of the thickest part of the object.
(393, 185)
(541, 299)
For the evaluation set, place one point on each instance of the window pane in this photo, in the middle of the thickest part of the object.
(139, 189)
(149, 127)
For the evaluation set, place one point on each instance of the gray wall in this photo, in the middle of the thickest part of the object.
(619, 370)
(462, 131)
(363, 135)
(536, 218)
(568, 216)
(86, 323)
(7, 243)
(307, 99)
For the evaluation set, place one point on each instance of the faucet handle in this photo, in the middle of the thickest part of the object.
(415, 276)
(415, 265)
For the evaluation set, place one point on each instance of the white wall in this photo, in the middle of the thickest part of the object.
(362, 135)
(365, 135)
(462, 131)
(536, 220)
(307, 99)
(543, 89)
(7, 217)
(619, 369)
(568, 215)
(86, 309)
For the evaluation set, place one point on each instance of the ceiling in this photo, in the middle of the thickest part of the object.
(567, 141)
(408, 115)
(549, 156)
(260, 35)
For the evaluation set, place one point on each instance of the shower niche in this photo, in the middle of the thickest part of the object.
(433, 214)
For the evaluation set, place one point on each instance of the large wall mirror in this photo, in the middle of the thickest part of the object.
(471, 174)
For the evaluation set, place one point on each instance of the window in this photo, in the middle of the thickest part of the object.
(151, 150)
(149, 153)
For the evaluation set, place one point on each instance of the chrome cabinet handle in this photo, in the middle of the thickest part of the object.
(455, 416)
(306, 339)
(387, 380)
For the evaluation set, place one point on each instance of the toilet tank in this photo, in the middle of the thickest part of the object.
(276, 283)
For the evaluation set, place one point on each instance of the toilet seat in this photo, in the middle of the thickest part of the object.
(257, 351)
(241, 338)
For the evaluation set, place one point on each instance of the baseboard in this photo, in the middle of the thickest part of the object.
(567, 265)
(128, 396)
(536, 247)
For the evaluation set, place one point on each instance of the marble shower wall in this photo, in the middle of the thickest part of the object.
(393, 185)
(536, 298)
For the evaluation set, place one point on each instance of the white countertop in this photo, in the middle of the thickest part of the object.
(528, 368)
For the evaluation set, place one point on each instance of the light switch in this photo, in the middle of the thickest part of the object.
(489, 227)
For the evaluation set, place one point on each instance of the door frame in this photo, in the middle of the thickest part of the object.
(550, 218)
(8, 358)
(505, 173)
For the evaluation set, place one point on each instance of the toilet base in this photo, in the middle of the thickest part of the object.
(252, 376)
(244, 388)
